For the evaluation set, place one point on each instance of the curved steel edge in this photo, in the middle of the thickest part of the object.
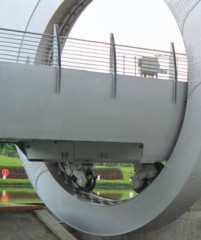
(174, 190)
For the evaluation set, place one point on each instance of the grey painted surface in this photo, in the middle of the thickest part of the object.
(174, 190)
(182, 175)
(187, 227)
(142, 112)
(39, 16)
(27, 16)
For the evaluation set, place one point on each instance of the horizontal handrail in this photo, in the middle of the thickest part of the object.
(81, 54)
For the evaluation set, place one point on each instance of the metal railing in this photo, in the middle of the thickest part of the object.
(33, 48)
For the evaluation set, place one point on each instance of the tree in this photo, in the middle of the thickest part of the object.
(8, 149)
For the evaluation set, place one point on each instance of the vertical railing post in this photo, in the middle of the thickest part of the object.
(56, 58)
(113, 65)
(173, 72)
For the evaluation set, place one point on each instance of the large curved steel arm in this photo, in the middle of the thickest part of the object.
(178, 185)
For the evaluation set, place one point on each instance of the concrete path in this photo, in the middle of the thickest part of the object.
(52, 223)
(23, 226)
(24, 222)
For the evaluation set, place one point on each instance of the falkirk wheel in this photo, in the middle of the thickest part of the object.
(65, 183)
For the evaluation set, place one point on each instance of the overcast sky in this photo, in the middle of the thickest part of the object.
(140, 23)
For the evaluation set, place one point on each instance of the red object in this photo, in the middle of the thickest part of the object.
(5, 172)
(4, 197)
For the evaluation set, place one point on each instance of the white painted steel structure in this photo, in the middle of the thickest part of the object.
(178, 185)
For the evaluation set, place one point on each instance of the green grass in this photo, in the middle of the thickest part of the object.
(124, 192)
(10, 161)
(126, 171)
(113, 182)
(14, 181)
(6, 161)
(16, 162)
(17, 189)
(25, 200)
